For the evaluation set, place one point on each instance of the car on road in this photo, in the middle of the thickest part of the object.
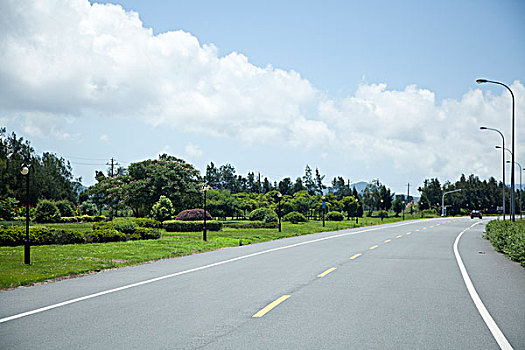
(476, 214)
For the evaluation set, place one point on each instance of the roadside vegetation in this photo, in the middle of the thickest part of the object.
(57, 261)
(154, 209)
(508, 238)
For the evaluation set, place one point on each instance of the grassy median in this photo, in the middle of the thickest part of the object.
(60, 261)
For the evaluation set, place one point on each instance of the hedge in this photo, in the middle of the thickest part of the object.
(108, 235)
(508, 238)
(83, 218)
(249, 225)
(190, 226)
(39, 235)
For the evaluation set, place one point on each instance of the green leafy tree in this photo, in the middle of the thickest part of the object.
(163, 209)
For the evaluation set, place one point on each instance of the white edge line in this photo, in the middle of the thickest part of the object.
(489, 321)
(91, 296)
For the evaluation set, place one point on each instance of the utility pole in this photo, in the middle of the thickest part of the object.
(112, 174)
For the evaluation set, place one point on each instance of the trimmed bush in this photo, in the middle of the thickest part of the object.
(335, 216)
(127, 227)
(256, 224)
(69, 219)
(47, 211)
(39, 235)
(190, 226)
(103, 236)
(260, 213)
(294, 217)
(147, 233)
(65, 207)
(144, 222)
(193, 215)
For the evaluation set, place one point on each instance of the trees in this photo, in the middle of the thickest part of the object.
(50, 176)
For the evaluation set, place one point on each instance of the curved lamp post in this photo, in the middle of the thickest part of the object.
(204, 189)
(27, 244)
(279, 196)
(521, 186)
(443, 200)
(323, 206)
(503, 155)
(512, 210)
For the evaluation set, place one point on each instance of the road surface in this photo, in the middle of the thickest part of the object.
(383, 287)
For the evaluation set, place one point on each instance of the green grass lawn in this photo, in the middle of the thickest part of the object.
(55, 261)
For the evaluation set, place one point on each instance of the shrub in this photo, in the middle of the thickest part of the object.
(192, 215)
(47, 211)
(294, 217)
(148, 233)
(89, 218)
(127, 227)
(256, 224)
(38, 235)
(259, 214)
(163, 209)
(335, 216)
(509, 238)
(7, 208)
(69, 219)
(190, 226)
(103, 236)
(65, 207)
(270, 217)
(144, 222)
(89, 208)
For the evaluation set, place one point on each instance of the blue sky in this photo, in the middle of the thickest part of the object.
(360, 89)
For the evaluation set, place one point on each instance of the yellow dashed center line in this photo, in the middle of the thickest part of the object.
(270, 306)
(355, 256)
(399, 236)
(388, 240)
(424, 228)
(436, 224)
(417, 230)
(431, 226)
(327, 272)
(373, 247)
(408, 233)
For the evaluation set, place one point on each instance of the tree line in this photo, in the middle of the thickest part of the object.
(138, 187)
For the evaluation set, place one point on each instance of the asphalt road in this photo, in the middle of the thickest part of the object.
(385, 287)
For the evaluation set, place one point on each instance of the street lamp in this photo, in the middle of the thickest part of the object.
(279, 196)
(521, 186)
(27, 244)
(503, 154)
(204, 188)
(512, 212)
(443, 200)
(324, 206)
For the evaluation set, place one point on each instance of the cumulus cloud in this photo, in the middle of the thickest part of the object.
(63, 60)
(409, 128)
(73, 57)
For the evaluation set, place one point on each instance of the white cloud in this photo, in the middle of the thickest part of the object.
(106, 62)
(193, 151)
(69, 59)
(410, 129)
